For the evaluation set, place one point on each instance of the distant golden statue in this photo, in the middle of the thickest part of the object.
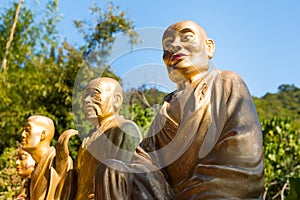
(111, 152)
(113, 137)
(48, 180)
(24, 165)
(207, 135)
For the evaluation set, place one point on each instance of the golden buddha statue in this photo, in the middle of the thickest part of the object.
(51, 174)
(207, 136)
(110, 156)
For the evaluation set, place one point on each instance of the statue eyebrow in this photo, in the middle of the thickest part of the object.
(98, 89)
(27, 126)
(185, 30)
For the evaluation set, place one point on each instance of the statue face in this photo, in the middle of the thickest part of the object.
(25, 164)
(98, 101)
(185, 50)
(31, 136)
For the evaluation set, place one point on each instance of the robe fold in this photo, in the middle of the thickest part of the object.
(115, 139)
(45, 183)
(139, 179)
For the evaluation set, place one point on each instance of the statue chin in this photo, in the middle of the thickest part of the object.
(91, 118)
(91, 113)
(175, 76)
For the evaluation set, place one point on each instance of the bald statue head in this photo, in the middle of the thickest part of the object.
(102, 98)
(187, 50)
(37, 134)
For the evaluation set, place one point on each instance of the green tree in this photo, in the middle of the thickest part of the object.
(19, 56)
(10, 182)
(286, 102)
(141, 105)
(40, 73)
(282, 155)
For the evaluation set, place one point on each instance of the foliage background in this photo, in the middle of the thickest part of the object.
(39, 79)
(41, 70)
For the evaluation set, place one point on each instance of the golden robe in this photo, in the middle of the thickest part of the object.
(45, 183)
(115, 139)
(139, 179)
(214, 150)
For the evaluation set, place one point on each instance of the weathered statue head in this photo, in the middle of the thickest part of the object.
(25, 164)
(37, 135)
(187, 50)
(102, 98)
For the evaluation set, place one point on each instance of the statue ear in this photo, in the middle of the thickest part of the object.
(43, 135)
(210, 48)
(118, 99)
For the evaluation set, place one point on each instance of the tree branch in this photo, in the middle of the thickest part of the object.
(11, 37)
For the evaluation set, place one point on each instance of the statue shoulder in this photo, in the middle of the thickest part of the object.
(230, 76)
(130, 128)
(232, 80)
(233, 83)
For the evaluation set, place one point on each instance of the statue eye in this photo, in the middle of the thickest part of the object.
(167, 43)
(27, 129)
(187, 38)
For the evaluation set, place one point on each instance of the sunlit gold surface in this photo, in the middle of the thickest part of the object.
(46, 181)
(207, 134)
(109, 139)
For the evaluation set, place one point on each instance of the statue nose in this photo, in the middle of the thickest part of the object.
(173, 47)
(88, 99)
(23, 134)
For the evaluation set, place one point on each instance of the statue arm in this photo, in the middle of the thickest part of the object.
(62, 151)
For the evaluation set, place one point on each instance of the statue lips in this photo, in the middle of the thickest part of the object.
(90, 109)
(19, 168)
(176, 58)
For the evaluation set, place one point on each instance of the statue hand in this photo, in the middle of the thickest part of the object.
(91, 197)
(62, 150)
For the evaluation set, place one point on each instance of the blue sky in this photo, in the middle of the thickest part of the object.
(257, 39)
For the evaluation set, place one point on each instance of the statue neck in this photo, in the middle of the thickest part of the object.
(103, 120)
(39, 152)
(195, 78)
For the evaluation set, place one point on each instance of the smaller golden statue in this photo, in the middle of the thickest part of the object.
(50, 178)
(110, 163)
(113, 137)
(24, 166)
